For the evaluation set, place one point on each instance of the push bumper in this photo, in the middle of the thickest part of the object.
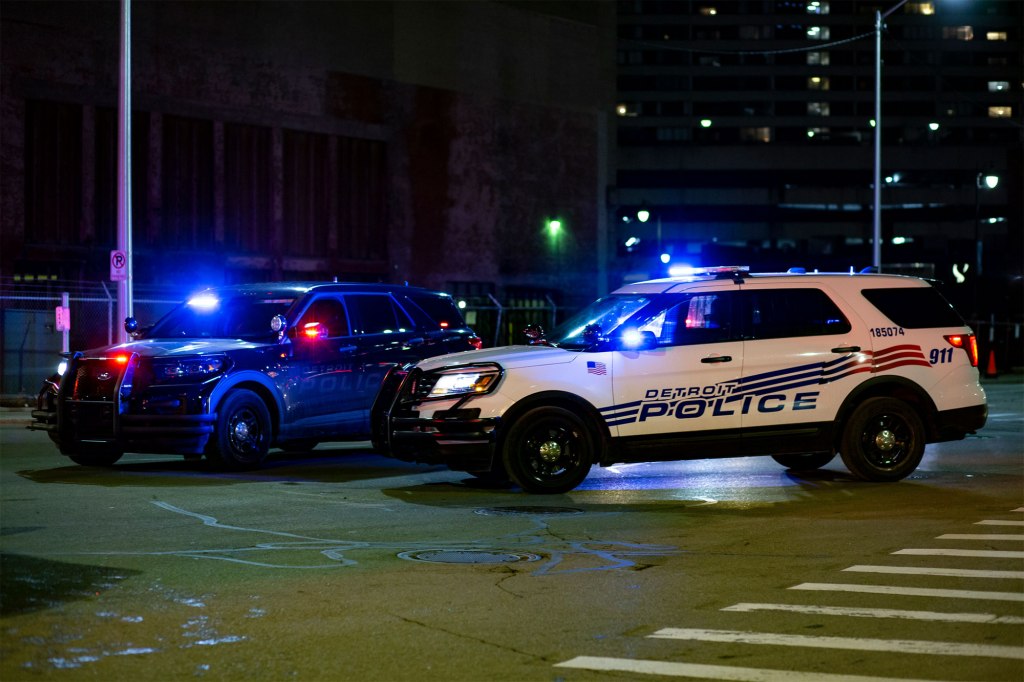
(462, 443)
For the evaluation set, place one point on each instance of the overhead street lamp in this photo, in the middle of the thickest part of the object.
(876, 258)
(981, 181)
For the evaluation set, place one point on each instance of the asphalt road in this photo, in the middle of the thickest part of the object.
(346, 565)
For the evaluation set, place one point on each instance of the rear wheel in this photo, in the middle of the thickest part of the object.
(243, 429)
(883, 440)
(808, 462)
(548, 450)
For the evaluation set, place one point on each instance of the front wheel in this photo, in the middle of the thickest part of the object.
(243, 430)
(883, 440)
(548, 450)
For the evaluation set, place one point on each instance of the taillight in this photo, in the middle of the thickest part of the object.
(476, 342)
(969, 342)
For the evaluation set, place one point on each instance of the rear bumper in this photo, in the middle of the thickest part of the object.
(956, 424)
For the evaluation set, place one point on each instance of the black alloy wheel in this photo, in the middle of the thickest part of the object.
(883, 440)
(548, 450)
(243, 429)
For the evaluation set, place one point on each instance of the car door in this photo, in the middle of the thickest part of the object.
(384, 336)
(682, 390)
(801, 355)
(321, 395)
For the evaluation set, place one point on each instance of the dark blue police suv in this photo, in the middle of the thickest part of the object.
(237, 370)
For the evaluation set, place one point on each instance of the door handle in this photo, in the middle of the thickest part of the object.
(846, 349)
(716, 358)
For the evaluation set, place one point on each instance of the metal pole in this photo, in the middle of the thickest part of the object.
(876, 234)
(124, 171)
(876, 258)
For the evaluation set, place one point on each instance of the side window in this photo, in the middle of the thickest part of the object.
(376, 314)
(433, 311)
(324, 314)
(694, 319)
(783, 313)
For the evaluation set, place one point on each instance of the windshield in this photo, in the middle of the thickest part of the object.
(208, 316)
(608, 314)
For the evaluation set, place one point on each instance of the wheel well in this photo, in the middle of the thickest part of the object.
(564, 400)
(892, 387)
(265, 395)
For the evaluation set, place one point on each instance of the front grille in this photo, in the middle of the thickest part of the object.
(97, 379)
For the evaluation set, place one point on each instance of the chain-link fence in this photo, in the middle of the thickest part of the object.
(30, 343)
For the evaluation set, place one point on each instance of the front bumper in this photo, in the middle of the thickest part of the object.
(457, 438)
(74, 411)
(463, 444)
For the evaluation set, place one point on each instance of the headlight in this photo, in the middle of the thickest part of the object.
(199, 368)
(468, 380)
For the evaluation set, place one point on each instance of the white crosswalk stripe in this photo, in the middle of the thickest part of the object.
(884, 646)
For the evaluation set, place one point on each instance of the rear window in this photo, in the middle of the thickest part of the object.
(914, 308)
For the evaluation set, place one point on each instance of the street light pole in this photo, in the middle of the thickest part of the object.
(124, 172)
(876, 251)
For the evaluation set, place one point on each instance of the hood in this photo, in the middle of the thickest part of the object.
(152, 348)
(509, 357)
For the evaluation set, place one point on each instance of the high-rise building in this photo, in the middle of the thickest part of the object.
(746, 132)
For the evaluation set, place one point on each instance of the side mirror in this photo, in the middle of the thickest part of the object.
(534, 334)
(631, 339)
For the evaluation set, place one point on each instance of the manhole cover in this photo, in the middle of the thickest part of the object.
(526, 511)
(466, 556)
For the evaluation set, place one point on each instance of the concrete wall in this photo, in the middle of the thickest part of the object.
(494, 116)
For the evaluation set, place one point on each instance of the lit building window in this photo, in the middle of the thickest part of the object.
(1000, 112)
(708, 11)
(762, 134)
(995, 35)
(920, 8)
(818, 83)
(818, 133)
(958, 32)
(817, 33)
(817, 108)
(818, 59)
(816, 7)
(998, 86)
(623, 109)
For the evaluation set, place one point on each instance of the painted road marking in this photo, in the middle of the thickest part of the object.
(979, 536)
(853, 611)
(927, 570)
(977, 553)
(994, 522)
(911, 591)
(715, 672)
(903, 646)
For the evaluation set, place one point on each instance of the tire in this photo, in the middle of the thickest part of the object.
(94, 457)
(883, 440)
(548, 450)
(808, 462)
(243, 430)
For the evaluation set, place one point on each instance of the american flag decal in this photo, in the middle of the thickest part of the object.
(596, 368)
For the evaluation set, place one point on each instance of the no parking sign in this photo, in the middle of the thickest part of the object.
(118, 266)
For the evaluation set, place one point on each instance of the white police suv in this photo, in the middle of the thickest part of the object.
(724, 363)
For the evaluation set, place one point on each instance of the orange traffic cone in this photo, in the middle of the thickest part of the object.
(990, 371)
